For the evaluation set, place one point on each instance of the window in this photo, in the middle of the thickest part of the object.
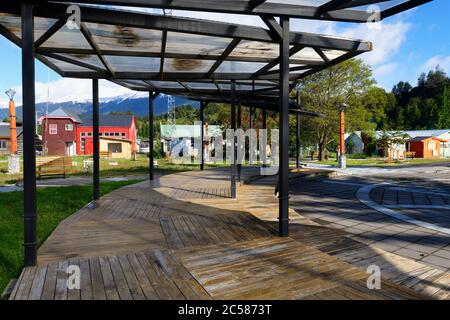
(115, 147)
(69, 127)
(432, 145)
(83, 134)
(123, 134)
(106, 134)
(89, 134)
(53, 129)
(3, 145)
(116, 134)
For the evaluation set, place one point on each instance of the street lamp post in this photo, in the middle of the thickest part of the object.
(342, 158)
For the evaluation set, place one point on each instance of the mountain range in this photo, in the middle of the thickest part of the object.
(136, 104)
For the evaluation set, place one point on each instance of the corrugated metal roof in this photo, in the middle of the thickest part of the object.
(110, 120)
(63, 112)
(4, 131)
(187, 131)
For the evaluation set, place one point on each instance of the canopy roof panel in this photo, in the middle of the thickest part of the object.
(331, 10)
(183, 56)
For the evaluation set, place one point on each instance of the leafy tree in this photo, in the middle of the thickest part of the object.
(376, 102)
(325, 91)
(389, 139)
(444, 112)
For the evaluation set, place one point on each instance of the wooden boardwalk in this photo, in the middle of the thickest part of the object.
(182, 237)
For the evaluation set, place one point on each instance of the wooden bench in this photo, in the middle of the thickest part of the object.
(410, 154)
(52, 166)
(315, 154)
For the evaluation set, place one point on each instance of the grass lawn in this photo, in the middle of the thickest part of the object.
(382, 163)
(113, 168)
(54, 205)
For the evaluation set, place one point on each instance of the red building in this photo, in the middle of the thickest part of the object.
(65, 133)
(426, 147)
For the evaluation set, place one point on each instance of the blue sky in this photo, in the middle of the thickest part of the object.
(404, 46)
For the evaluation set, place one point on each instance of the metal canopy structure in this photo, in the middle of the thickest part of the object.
(173, 55)
(328, 10)
(202, 60)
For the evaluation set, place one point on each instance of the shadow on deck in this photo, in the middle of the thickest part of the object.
(180, 237)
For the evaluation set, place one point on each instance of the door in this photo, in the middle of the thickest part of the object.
(70, 149)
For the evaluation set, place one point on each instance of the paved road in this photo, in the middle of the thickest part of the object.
(402, 171)
(409, 218)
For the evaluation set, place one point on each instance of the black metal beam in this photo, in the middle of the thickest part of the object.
(239, 126)
(88, 36)
(101, 72)
(273, 63)
(96, 139)
(224, 56)
(29, 132)
(202, 137)
(264, 127)
(274, 27)
(297, 136)
(243, 7)
(186, 25)
(252, 4)
(175, 76)
(130, 53)
(402, 7)
(358, 3)
(233, 140)
(332, 5)
(50, 32)
(151, 112)
(284, 131)
(163, 53)
(322, 55)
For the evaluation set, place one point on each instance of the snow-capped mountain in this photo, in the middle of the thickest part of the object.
(137, 103)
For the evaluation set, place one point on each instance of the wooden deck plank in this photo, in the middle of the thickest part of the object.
(86, 283)
(170, 239)
(48, 292)
(119, 278)
(98, 287)
(108, 279)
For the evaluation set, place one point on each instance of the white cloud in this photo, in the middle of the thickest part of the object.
(385, 70)
(386, 40)
(440, 60)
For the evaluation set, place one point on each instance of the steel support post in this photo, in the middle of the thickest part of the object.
(298, 141)
(233, 142)
(96, 138)
(202, 135)
(284, 130)
(264, 126)
(239, 126)
(29, 134)
(151, 112)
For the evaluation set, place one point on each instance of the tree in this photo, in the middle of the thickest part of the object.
(325, 91)
(444, 113)
(389, 139)
(376, 102)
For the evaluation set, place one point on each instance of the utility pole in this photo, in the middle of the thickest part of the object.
(342, 159)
